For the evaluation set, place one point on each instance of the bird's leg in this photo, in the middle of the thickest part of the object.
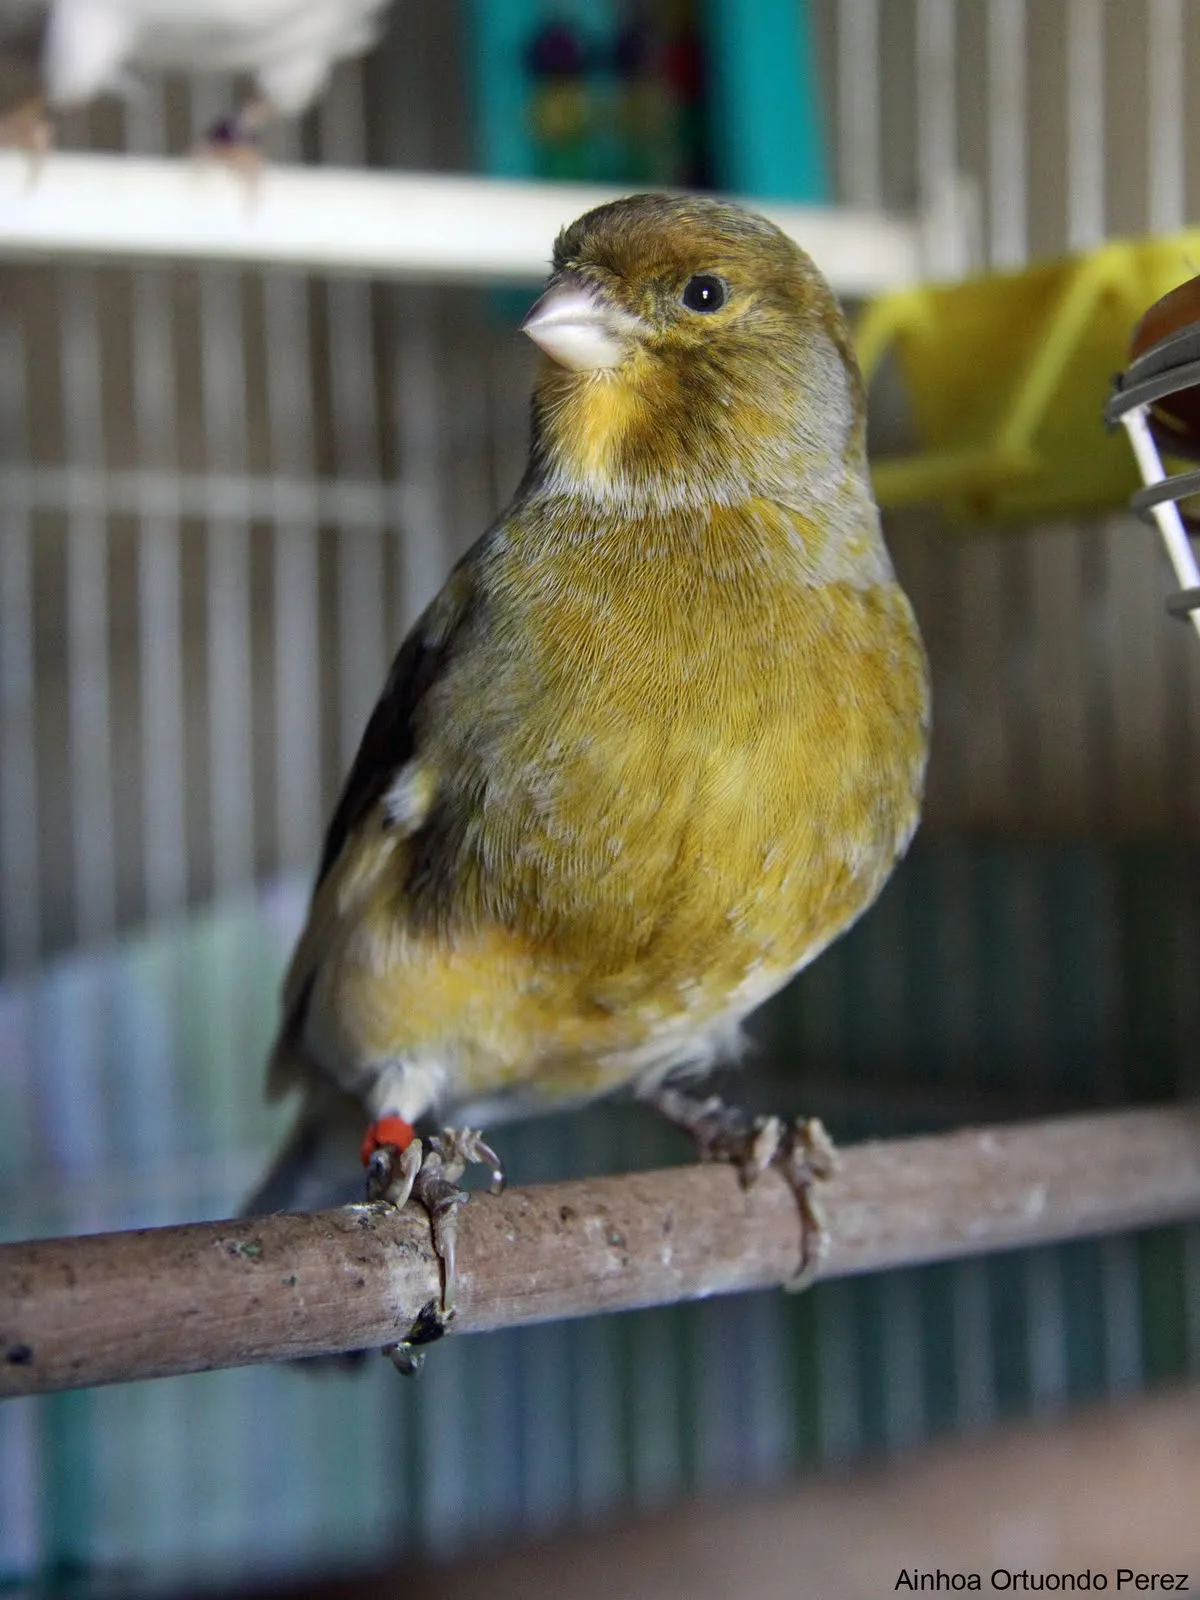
(392, 1155)
(431, 1179)
(802, 1152)
(436, 1188)
(233, 140)
(27, 127)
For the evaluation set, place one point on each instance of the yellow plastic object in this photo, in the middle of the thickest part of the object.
(1008, 376)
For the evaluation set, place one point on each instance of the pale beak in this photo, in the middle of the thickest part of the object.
(579, 328)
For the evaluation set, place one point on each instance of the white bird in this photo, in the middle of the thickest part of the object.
(288, 47)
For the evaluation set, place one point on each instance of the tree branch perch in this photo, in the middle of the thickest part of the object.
(107, 1308)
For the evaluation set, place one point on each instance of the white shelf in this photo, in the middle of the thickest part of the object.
(435, 227)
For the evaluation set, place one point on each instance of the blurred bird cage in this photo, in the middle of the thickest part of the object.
(228, 484)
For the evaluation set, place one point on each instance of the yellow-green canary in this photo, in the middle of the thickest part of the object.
(660, 738)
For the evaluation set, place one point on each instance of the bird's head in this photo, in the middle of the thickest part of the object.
(695, 356)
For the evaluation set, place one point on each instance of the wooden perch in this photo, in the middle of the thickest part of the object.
(110, 1307)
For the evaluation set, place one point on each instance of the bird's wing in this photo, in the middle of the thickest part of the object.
(86, 49)
(389, 742)
(302, 54)
(387, 752)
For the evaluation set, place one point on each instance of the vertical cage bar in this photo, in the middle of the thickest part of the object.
(858, 101)
(766, 1443)
(413, 131)
(89, 669)
(1166, 116)
(423, 550)
(223, 383)
(1085, 123)
(20, 911)
(1059, 672)
(937, 108)
(1122, 1314)
(441, 1489)
(937, 134)
(229, 722)
(840, 1426)
(160, 599)
(297, 642)
(974, 1346)
(1007, 150)
(355, 424)
(904, 1402)
(1046, 1331)
(1191, 1297)
(22, 1535)
(164, 843)
(297, 635)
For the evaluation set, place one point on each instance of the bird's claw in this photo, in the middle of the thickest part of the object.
(441, 1197)
(26, 127)
(447, 1156)
(806, 1156)
(801, 1152)
(391, 1172)
(428, 1173)
(431, 1323)
(459, 1148)
(233, 142)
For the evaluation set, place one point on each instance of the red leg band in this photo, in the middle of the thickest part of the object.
(393, 1131)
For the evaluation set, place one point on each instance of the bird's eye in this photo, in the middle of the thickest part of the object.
(705, 292)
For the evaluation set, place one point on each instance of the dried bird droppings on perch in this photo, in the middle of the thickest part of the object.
(111, 1307)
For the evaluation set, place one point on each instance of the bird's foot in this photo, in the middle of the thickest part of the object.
(400, 1168)
(459, 1148)
(392, 1155)
(407, 1355)
(436, 1187)
(232, 142)
(801, 1151)
(27, 127)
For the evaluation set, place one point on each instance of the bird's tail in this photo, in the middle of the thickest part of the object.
(318, 1165)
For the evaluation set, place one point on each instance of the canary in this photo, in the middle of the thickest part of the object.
(660, 738)
(87, 47)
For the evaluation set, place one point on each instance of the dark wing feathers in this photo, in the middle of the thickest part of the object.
(389, 742)
(390, 737)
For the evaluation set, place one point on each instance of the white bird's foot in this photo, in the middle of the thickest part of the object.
(233, 142)
(27, 127)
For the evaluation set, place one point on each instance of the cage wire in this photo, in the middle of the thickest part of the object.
(224, 495)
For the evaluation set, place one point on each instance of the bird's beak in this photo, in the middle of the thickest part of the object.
(577, 326)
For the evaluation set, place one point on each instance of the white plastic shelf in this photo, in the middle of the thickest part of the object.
(415, 225)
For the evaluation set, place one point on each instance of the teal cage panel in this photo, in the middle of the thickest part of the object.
(711, 93)
(767, 124)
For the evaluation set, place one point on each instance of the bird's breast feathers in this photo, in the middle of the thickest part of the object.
(663, 776)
